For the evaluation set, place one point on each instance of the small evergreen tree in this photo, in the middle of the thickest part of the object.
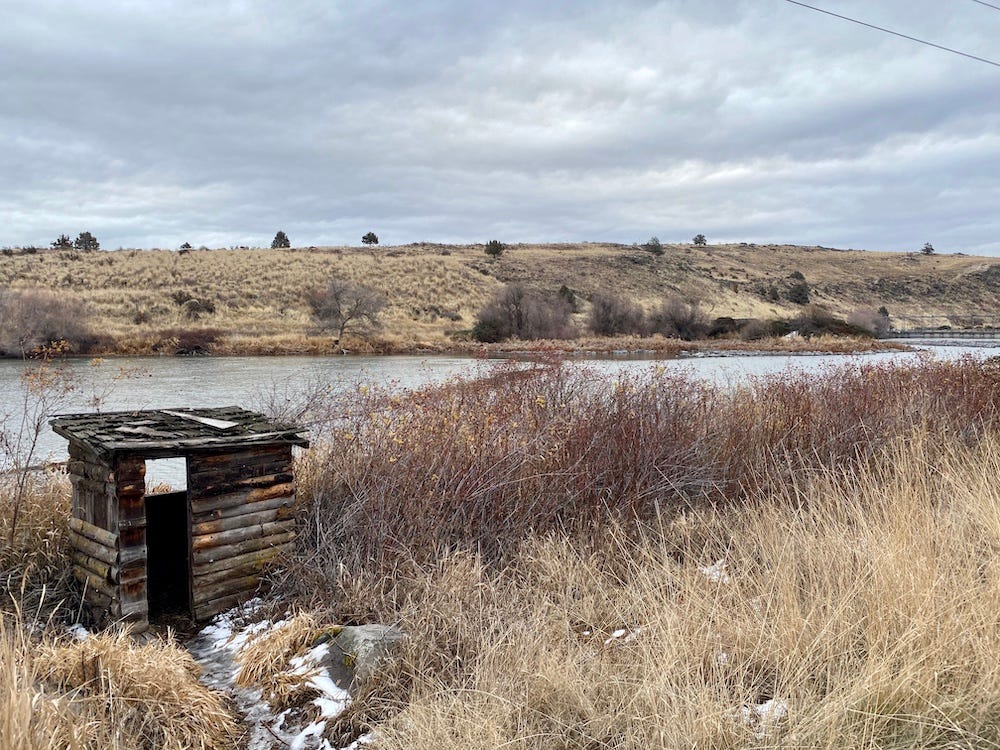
(186, 246)
(62, 242)
(280, 240)
(495, 248)
(654, 246)
(927, 249)
(86, 241)
(370, 239)
(699, 239)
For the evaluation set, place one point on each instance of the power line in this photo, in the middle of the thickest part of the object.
(896, 33)
(988, 5)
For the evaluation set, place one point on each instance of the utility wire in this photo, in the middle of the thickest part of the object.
(896, 33)
(988, 5)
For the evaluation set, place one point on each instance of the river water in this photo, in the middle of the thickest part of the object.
(170, 382)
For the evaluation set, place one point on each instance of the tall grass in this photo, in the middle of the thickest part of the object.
(106, 691)
(854, 608)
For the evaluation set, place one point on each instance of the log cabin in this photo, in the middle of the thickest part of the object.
(195, 552)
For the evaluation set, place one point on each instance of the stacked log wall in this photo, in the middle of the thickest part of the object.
(107, 535)
(241, 518)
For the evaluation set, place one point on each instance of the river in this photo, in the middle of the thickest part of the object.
(170, 382)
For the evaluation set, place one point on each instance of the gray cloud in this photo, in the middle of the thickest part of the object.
(218, 123)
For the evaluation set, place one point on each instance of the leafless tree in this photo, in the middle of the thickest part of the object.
(342, 305)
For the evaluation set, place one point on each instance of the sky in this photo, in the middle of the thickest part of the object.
(219, 122)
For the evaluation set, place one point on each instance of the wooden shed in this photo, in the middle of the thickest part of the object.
(196, 552)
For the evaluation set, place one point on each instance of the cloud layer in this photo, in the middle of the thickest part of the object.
(151, 124)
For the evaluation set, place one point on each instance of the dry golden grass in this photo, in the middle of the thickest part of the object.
(435, 291)
(105, 692)
(35, 569)
(264, 663)
(149, 693)
(864, 602)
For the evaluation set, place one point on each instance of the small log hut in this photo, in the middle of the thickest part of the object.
(197, 552)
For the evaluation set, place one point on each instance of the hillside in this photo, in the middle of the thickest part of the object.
(254, 299)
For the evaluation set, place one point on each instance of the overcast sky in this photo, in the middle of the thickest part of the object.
(154, 123)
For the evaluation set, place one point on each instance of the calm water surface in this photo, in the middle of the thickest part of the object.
(166, 382)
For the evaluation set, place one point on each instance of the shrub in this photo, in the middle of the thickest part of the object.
(677, 318)
(754, 329)
(798, 293)
(816, 320)
(495, 248)
(699, 240)
(34, 318)
(62, 242)
(480, 465)
(654, 246)
(797, 275)
(342, 305)
(280, 241)
(516, 312)
(195, 308)
(927, 249)
(875, 322)
(370, 239)
(611, 315)
(568, 296)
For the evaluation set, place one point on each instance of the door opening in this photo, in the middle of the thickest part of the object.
(168, 567)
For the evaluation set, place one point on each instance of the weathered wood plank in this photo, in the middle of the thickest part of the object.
(94, 533)
(228, 587)
(261, 558)
(239, 482)
(247, 456)
(201, 505)
(131, 470)
(231, 550)
(210, 609)
(92, 565)
(235, 536)
(132, 536)
(89, 547)
(93, 581)
(93, 486)
(129, 556)
(286, 503)
(132, 574)
(253, 567)
(280, 513)
(90, 471)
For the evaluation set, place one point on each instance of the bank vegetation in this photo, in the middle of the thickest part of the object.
(657, 561)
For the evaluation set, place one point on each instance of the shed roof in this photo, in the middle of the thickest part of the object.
(174, 432)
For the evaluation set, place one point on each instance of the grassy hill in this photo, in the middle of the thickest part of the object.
(254, 299)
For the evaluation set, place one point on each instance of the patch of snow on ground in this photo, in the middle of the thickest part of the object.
(216, 648)
(762, 717)
(715, 572)
(78, 631)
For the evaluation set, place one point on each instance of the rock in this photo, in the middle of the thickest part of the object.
(361, 648)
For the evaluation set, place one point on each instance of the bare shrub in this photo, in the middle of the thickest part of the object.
(874, 322)
(482, 464)
(611, 315)
(679, 318)
(816, 320)
(343, 305)
(517, 312)
(34, 318)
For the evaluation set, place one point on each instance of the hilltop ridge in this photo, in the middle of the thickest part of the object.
(435, 290)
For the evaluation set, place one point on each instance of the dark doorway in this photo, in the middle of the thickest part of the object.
(168, 568)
